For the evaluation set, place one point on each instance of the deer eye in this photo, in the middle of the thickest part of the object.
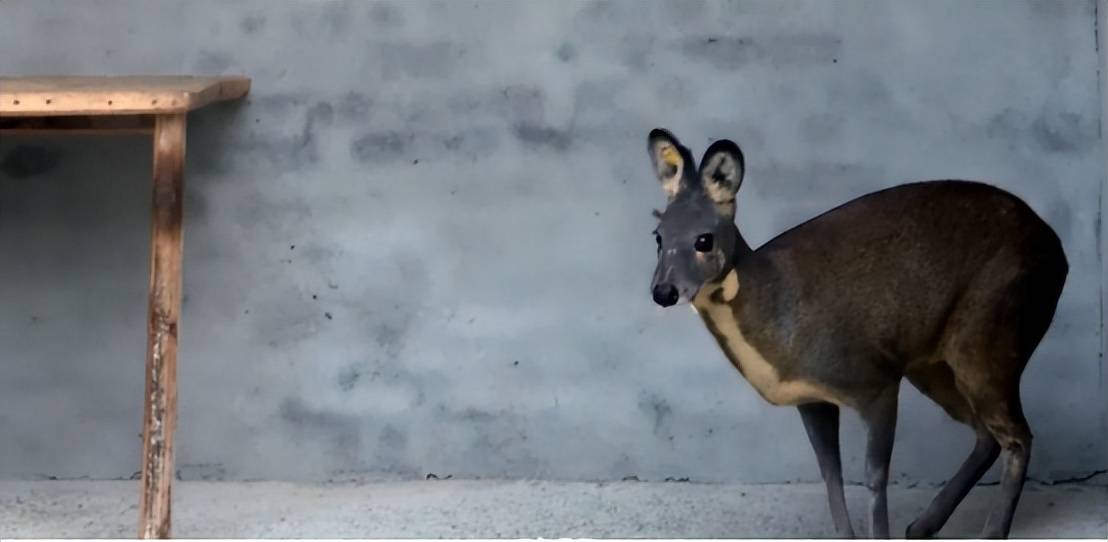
(704, 243)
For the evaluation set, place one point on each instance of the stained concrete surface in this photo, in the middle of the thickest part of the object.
(516, 509)
(423, 242)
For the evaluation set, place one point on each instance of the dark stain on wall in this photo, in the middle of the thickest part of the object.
(341, 431)
(293, 411)
(724, 53)
(393, 373)
(1054, 9)
(321, 113)
(538, 135)
(24, 161)
(519, 102)
(270, 211)
(267, 138)
(316, 254)
(386, 146)
(278, 103)
(731, 53)
(390, 337)
(386, 14)
(659, 411)
(471, 414)
(472, 143)
(392, 439)
(567, 52)
(252, 24)
(1052, 132)
(1062, 132)
(349, 377)
(354, 107)
(288, 150)
(496, 441)
(212, 62)
(636, 52)
(278, 131)
(1006, 126)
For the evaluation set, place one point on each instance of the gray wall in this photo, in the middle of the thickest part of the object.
(423, 243)
(1102, 47)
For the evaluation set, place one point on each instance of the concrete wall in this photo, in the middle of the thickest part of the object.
(1102, 47)
(423, 243)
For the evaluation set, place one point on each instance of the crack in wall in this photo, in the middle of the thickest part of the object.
(1102, 238)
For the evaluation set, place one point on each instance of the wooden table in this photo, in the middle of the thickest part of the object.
(148, 105)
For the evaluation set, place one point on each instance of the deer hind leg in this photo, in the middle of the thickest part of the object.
(936, 381)
(988, 354)
(1001, 413)
(994, 335)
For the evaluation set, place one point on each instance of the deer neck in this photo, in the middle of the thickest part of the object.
(720, 304)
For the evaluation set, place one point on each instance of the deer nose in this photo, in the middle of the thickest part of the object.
(665, 295)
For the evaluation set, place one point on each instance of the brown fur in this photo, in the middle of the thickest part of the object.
(956, 273)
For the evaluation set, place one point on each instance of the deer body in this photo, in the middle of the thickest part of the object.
(950, 284)
(857, 296)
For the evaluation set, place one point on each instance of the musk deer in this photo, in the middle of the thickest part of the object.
(951, 284)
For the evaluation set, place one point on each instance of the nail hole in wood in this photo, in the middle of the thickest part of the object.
(109, 102)
(49, 101)
(15, 102)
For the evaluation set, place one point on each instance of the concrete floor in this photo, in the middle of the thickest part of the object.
(491, 509)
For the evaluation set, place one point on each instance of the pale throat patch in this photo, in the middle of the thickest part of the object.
(757, 370)
(730, 286)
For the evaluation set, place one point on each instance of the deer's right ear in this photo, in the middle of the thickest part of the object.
(669, 161)
(721, 171)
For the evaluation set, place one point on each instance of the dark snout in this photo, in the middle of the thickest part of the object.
(665, 295)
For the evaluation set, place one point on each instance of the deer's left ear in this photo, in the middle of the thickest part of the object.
(721, 171)
(669, 161)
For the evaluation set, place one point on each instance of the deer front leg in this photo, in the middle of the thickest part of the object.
(880, 420)
(821, 421)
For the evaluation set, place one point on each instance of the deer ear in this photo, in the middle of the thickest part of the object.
(669, 161)
(721, 171)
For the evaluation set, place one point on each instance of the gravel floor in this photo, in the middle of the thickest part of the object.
(492, 509)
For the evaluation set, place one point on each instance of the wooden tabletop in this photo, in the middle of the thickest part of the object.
(126, 95)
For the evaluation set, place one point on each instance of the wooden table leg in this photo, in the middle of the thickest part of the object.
(160, 417)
